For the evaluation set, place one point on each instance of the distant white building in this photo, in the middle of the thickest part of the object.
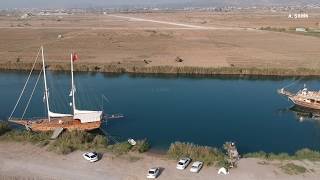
(47, 13)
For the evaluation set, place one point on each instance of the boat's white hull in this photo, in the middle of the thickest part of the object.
(305, 104)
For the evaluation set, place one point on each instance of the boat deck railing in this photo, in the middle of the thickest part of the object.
(26, 119)
(285, 92)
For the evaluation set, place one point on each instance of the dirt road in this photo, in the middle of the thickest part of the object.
(176, 23)
(22, 161)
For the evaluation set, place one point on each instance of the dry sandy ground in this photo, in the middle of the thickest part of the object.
(205, 39)
(25, 161)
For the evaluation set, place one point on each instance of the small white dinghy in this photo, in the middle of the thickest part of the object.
(132, 142)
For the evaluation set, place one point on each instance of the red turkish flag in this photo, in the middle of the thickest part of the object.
(75, 57)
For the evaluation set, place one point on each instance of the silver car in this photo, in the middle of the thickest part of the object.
(91, 156)
(153, 173)
(183, 163)
(196, 166)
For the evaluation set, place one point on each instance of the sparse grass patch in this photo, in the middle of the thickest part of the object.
(134, 158)
(293, 169)
(209, 155)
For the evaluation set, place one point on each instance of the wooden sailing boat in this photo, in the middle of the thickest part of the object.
(304, 98)
(78, 120)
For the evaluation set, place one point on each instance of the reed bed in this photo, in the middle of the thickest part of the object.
(209, 155)
(70, 141)
(78, 140)
(183, 70)
(303, 154)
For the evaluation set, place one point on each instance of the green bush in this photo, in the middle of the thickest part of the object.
(280, 156)
(120, 148)
(4, 127)
(259, 154)
(141, 146)
(209, 155)
(27, 136)
(303, 154)
(307, 154)
(100, 141)
(70, 141)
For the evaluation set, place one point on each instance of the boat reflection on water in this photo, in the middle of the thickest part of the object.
(305, 114)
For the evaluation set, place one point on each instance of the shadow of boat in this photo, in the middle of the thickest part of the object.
(305, 114)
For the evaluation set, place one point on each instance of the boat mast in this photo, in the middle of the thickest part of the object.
(45, 83)
(72, 86)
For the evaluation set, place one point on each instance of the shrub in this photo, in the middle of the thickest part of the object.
(120, 148)
(209, 155)
(303, 154)
(259, 154)
(141, 146)
(70, 141)
(27, 136)
(4, 127)
(280, 156)
(307, 154)
(100, 141)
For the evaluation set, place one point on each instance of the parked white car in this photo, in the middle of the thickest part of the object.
(153, 173)
(196, 166)
(183, 163)
(91, 156)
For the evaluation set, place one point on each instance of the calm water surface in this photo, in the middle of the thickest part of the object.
(206, 111)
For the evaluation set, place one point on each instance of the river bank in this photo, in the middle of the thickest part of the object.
(23, 161)
(178, 70)
(43, 158)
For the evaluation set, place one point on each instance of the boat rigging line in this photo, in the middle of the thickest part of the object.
(34, 88)
(292, 83)
(25, 85)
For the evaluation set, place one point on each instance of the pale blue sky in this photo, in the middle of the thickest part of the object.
(117, 3)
